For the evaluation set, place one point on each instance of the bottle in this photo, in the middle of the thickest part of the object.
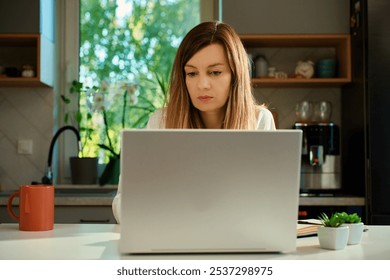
(261, 66)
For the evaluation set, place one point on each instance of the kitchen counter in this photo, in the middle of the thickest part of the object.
(92, 195)
(100, 241)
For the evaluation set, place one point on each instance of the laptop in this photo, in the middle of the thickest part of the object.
(209, 191)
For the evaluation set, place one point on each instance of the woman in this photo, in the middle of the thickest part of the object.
(210, 87)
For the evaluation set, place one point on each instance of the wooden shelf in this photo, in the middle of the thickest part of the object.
(290, 82)
(339, 42)
(22, 82)
(19, 49)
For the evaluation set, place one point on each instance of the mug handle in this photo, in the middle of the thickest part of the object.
(9, 205)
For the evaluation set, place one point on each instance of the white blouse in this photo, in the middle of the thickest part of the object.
(265, 121)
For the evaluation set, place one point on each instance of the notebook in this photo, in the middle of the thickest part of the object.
(209, 191)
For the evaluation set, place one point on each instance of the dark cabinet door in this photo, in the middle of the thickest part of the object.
(378, 101)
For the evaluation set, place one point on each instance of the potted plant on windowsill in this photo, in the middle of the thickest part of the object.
(332, 234)
(356, 227)
(107, 109)
(84, 166)
(99, 124)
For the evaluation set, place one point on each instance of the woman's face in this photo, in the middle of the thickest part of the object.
(208, 79)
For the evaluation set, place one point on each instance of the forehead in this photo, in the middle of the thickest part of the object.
(209, 55)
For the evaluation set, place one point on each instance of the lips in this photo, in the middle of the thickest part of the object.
(205, 98)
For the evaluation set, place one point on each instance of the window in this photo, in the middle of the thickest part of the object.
(130, 41)
(126, 47)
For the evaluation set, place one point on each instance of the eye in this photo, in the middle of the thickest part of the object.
(191, 74)
(215, 73)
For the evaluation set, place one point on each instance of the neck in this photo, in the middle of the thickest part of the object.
(212, 120)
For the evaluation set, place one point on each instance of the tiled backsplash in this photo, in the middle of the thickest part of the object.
(25, 114)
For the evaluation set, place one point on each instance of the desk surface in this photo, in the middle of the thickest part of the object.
(100, 241)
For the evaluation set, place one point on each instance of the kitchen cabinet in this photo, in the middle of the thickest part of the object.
(84, 214)
(17, 50)
(27, 39)
(339, 44)
(73, 205)
(97, 214)
(366, 105)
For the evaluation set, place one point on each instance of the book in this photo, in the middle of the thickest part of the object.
(308, 227)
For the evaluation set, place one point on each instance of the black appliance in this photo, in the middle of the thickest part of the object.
(321, 162)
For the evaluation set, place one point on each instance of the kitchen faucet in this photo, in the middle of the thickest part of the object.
(48, 178)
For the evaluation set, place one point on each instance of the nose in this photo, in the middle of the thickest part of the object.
(204, 82)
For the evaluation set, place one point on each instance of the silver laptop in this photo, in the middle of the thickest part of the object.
(209, 191)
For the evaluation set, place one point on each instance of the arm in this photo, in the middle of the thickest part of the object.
(155, 122)
(116, 203)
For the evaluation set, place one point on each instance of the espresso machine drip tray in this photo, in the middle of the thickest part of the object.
(323, 193)
(305, 194)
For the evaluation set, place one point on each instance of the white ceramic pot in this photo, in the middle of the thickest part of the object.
(355, 233)
(333, 238)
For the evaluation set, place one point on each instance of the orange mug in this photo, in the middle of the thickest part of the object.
(36, 207)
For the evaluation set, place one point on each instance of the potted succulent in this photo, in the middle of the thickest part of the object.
(332, 234)
(356, 227)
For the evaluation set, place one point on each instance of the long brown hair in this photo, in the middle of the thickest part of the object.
(241, 107)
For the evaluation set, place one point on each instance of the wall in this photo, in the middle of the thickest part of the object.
(290, 17)
(25, 113)
(287, 16)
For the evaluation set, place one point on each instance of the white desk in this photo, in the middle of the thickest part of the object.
(96, 241)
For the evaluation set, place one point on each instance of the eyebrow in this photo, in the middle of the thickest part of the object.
(211, 65)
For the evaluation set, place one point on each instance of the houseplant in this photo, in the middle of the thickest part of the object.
(332, 234)
(107, 109)
(84, 166)
(99, 123)
(356, 227)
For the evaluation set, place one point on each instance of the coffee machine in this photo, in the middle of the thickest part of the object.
(321, 163)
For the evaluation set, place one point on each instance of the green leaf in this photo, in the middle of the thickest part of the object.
(65, 99)
(105, 147)
(79, 117)
(332, 221)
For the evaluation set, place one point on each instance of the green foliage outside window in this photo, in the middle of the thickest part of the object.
(136, 47)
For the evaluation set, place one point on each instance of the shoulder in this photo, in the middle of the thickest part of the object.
(265, 119)
(157, 119)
